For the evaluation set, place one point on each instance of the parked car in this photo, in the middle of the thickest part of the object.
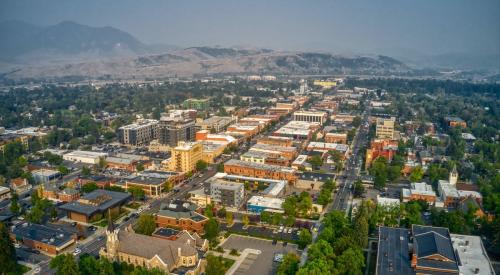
(77, 251)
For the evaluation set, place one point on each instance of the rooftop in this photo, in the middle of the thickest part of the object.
(145, 180)
(393, 251)
(259, 166)
(273, 203)
(86, 154)
(471, 254)
(42, 233)
(96, 201)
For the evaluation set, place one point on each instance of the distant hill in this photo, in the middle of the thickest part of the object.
(65, 38)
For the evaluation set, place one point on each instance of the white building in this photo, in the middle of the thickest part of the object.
(310, 116)
(388, 202)
(472, 254)
(259, 204)
(87, 157)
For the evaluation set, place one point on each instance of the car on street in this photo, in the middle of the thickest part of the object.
(77, 251)
(17, 245)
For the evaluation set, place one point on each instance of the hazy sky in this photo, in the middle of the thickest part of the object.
(370, 26)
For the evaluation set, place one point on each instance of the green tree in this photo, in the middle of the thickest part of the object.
(417, 174)
(137, 192)
(201, 165)
(145, 225)
(85, 171)
(65, 265)
(89, 187)
(215, 265)
(351, 261)
(290, 264)
(320, 249)
(305, 238)
(379, 171)
(359, 189)
(7, 251)
(290, 205)
(63, 169)
(265, 217)
(14, 204)
(316, 162)
(102, 163)
(356, 121)
(211, 229)
(139, 167)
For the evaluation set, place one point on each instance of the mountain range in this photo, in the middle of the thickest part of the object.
(71, 49)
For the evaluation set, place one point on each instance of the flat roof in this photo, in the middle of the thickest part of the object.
(86, 154)
(45, 172)
(393, 256)
(266, 202)
(260, 166)
(145, 180)
(41, 233)
(104, 199)
(471, 254)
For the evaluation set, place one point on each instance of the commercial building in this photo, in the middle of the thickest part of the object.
(243, 130)
(226, 193)
(212, 150)
(51, 192)
(172, 130)
(423, 250)
(152, 186)
(258, 204)
(310, 116)
(127, 162)
(94, 205)
(181, 215)
(298, 130)
(301, 163)
(45, 175)
(197, 104)
(288, 153)
(336, 138)
(185, 156)
(385, 127)
(387, 202)
(135, 249)
(419, 191)
(381, 148)
(276, 141)
(87, 157)
(325, 147)
(204, 135)
(20, 185)
(215, 123)
(47, 239)
(139, 133)
(473, 258)
(266, 187)
(258, 170)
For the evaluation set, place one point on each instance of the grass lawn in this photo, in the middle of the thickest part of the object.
(133, 205)
(104, 222)
(21, 269)
(227, 263)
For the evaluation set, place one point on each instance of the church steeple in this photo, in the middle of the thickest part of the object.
(453, 175)
(111, 226)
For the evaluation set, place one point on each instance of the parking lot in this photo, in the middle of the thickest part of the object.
(258, 264)
(268, 232)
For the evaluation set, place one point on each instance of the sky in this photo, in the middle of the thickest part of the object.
(425, 27)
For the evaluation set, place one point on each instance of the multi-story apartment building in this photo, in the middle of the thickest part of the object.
(385, 127)
(215, 123)
(226, 193)
(185, 156)
(172, 130)
(139, 133)
(310, 116)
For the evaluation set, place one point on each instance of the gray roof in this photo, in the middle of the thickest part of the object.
(56, 237)
(182, 215)
(393, 251)
(146, 180)
(429, 241)
(110, 199)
